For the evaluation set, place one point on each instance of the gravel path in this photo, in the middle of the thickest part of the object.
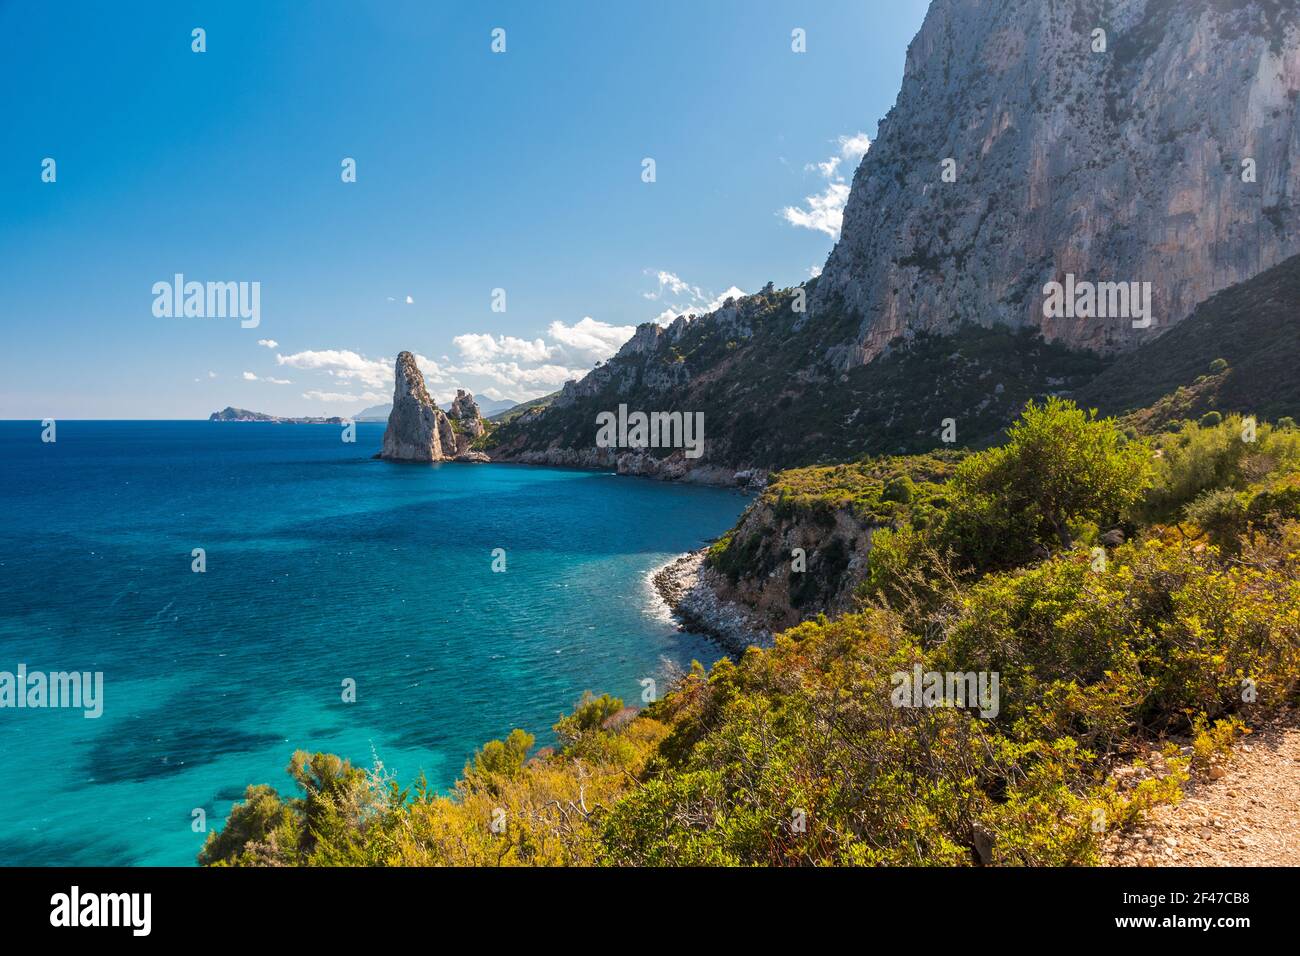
(1249, 816)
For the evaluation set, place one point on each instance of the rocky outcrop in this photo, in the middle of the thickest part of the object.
(464, 408)
(764, 580)
(467, 422)
(418, 430)
(691, 592)
(675, 467)
(1079, 142)
(1171, 156)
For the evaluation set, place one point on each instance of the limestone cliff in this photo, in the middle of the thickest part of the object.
(418, 430)
(465, 409)
(1164, 149)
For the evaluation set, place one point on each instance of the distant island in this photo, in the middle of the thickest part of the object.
(232, 414)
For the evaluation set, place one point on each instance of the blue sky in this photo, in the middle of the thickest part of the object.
(476, 171)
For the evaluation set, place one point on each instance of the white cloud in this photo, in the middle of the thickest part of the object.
(344, 364)
(670, 283)
(590, 339)
(212, 374)
(432, 371)
(521, 369)
(410, 301)
(824, 211)
(318, 396)
(512, 374)
(731, 293)
(269, 343)
(690, 299)
(482, 347)
(854, 147)
(250, 377)
(278, 381)
(827, 169)
(814, 271)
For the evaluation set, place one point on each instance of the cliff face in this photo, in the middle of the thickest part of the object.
(756, 371)
(464, 408)
(418, 430)
(1122, 165)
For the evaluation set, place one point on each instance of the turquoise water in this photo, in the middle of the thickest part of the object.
(322, 565)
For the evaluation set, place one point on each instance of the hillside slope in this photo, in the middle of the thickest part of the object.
(1252, 326)
(768, 401)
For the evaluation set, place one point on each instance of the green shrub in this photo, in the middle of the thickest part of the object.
(1061, 465)
(1205, 458)
(900, 489)
(1222, 514)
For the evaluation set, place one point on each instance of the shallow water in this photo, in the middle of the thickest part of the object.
(322, 565)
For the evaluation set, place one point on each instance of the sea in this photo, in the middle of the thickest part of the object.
(251, 589)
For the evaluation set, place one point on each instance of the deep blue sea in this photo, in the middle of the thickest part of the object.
(322, 565)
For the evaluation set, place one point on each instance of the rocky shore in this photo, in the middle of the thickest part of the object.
(673, 468)
(686, 586)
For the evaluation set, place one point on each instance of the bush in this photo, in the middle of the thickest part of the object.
(1059, 465)
(1222, 514)
(900, 489)
(1203, 458)
(803, 754)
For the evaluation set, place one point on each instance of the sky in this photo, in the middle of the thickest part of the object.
(500, 225)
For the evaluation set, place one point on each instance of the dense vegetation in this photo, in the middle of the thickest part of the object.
(1125, 590)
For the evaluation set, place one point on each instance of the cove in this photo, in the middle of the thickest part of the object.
(322, 566)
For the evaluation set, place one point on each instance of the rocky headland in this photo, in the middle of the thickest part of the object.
(692, 592)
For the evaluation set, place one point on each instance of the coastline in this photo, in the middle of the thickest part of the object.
(639, 464)
(684, 586)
